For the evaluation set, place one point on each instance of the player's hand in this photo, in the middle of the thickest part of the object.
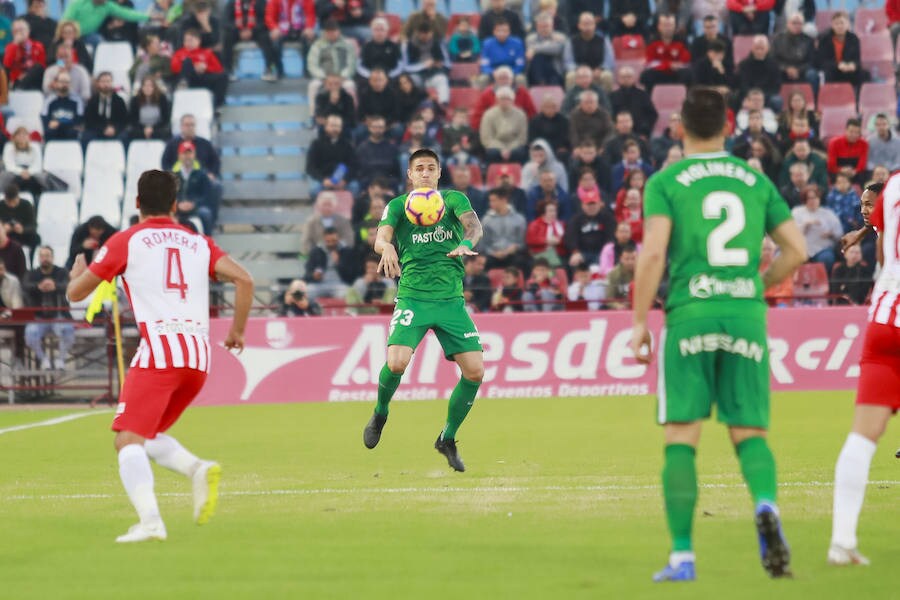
(462, 251)
(642, 344)
(390, 263)
(78, 267)
(235, 341)
(851, 239)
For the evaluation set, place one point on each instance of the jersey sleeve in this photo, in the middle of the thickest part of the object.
(777, 211)
(111, 259)
(458, 202)
(656, 201)
(877, 216)
(393, 212)
(215, 253)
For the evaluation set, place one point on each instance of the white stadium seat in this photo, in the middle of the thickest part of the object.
(31, 123)
(102, 180)
(129, 207)
(66, 156)
(113, 56)
(197, 102)
(57, 218)
(26, 103)
(101, 202)
(106, 155)
(144, 155)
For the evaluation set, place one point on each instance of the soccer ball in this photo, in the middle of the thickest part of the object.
(424, 207)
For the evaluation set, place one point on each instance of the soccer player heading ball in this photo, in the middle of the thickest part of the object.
(710, 212)
(428, 260)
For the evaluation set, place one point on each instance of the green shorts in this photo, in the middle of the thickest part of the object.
(721, 361)
(448, 318)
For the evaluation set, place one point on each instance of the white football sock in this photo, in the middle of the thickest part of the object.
(168, 453)
(676, 558)
(850, 477)
(137, 477)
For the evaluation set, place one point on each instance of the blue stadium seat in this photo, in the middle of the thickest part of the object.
(293, 63)
(287, 125)
(401, 7)
(253, 126)
(288, 176)
(286, 151)
(289, 99)
(253, 151)
(250, 65)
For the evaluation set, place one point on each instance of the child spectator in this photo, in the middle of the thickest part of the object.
(844, 201)
(634, 180)
(464, 45)
(586, 289)
(199, 67)
(542, 291)
(508, 297)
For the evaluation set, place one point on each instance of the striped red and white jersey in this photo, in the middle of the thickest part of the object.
(166, 270)
(885, 218)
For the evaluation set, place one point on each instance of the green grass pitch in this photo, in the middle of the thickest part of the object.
(561, 500)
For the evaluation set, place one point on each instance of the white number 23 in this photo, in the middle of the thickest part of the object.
(403, 317)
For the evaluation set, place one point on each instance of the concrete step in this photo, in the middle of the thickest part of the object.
(271, 216)
(256, 87)
(262, 191)
(263, 164)
(255, 244)
(266, 272)
(265, 113)
(284, 137)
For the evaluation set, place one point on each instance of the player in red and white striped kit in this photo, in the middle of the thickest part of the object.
(166, 270)
(878, 392)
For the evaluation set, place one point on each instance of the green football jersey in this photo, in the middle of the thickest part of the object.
(427, 273)
(721, 209)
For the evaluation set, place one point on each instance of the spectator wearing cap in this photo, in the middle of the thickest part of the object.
(635, 100)
(24, 59)
(18, 219)
(590, 48)
(503, 77)
(849, 152)
(668, 57)
(425, 59)
(248, 23)
(199, 67)
(712, 32)
(63, 113)
(504, 130)
(502, 50)
(106, 115)
(839, 52)
(552, 126)
(750, 16)
(795, 53)
(589, 120)
(88, 238)
(760, 71)
(80, 78)
(498, 11)
(195, 198)
(504, 233)
(590, 229)
(42, 28)
(204, 152)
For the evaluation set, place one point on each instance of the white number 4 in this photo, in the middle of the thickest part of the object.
(404, 317)
(735, 220)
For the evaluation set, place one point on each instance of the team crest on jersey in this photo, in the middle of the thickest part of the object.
(437, 235)
(100, 255)
(705, 286)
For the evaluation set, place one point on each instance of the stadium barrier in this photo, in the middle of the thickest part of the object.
(526, 355)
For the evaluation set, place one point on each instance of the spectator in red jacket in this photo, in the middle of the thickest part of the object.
(503, 77)
(849, 153)
(199, 67)
(291, 21)
(750, 16)
(24, 59)
(544, 236)
(668, 57)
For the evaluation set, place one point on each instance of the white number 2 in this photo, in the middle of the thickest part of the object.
(717, 254)
(404, 317)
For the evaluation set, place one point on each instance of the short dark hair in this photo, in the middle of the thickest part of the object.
(11, 191)
(329, 231)
(842, 174)
(157, 191)
(581, 268)
(146, 39)
(500, 21)
(853, 122)
(498, 191)
(716, 45)
(373, 258)
(424, 153)
(193, 32)
(628, 246)
(97, 222)
(50, 248)
(423, 27)
(624, 112)
(540, 261)
(330, 24)
(381, 181)
(709, 18)
(512, 271)
(875, 188)
(703, 113)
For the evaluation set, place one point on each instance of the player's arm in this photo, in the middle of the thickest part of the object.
(793, 253)
(651, 265)
(228, 270)
(472, 233)
(855, 237)
(390, 262)
(82, 281)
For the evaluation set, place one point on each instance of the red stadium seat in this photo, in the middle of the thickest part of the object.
(668, 95)
(539, 92)
(834, 121)
(787, 89)
(464, 73)
(395, 25)
(811, 280)
(332, 307)
(629, 47)
(741, 45)
(635, 63)
(876, 48)
(496, 277)
(474, 174)
(465, 97)
(835, 95)
(823, 20)
(563, 278)
(496, 170)
(663, 121)
(867, 21)
(874, 97)
(474, 21)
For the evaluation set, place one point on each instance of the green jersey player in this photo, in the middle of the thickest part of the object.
(428, 261)
(711, 212)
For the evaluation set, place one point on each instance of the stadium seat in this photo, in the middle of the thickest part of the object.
(198, 102)
(464, 97)
(810, 280)
(474, 174)
(466, 6)
(636, 63)
(106, 181)
(474, 21)
(629, 47)
(496, 277)
(395, 25)
(867, 21)
(144, 155)
(834, 121)
(823, 19)
(129, 206)
(663, 121)
(400, 7)
(105, 155)
(539, 92)
(804, 88)
(332, 307)
(836, 95)
(563, 278)
(464, 73)
(113, 56)
(26, 104)
(60, 207)
(100, 201)
(496, 170)
(667, 96)
(66, 156)
(876, 49)
(874, 97)
(344, 202)
(741, 47)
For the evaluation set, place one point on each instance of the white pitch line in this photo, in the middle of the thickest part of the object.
(437, 490)
(55, 421)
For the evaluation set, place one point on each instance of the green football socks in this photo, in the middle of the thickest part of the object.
(387, 385)
(679, 478)
(758, 467)
(461, 401)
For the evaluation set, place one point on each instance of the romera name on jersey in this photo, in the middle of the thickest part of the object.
(170, 237)
(714, 168)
